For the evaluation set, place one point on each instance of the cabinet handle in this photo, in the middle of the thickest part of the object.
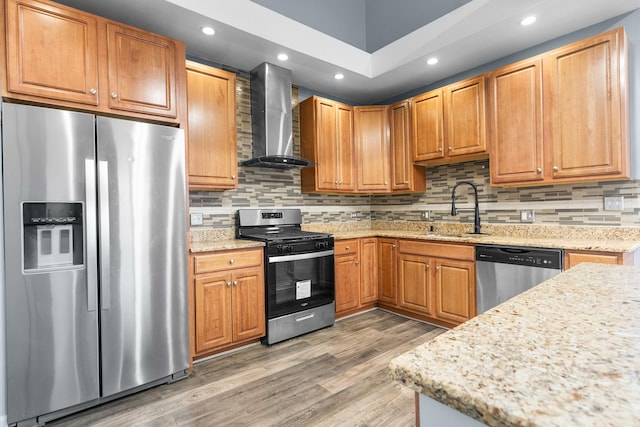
(346, 248)
(393, 246)
(235, 283)
(228, 284)
(233, 177)
(437, 268)
(450, 148)
(555, 169)
(93, 91)
(406, 182)
(426, 266)
(232, 261)
(114, 95)
(440, 150)
(386, 183)
(539, 170)
(357, 262)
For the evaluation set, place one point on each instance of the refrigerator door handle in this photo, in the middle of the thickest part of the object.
(92, 234)
(105, 267)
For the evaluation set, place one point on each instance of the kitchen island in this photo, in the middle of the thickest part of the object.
(564, 353)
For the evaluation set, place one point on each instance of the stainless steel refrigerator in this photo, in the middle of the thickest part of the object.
(95, 259)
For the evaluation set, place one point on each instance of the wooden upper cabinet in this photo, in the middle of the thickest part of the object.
(211, 111)
(405, 176)
(464, 112)
(372, 148)
(586, 105)
(326, 138)
(562, 116)
(428, 126)
(516, 122)
(141, 70)
(449, 123)
(52, 52)
(58, 55)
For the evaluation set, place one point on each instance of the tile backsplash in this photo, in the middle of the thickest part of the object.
(567, 204)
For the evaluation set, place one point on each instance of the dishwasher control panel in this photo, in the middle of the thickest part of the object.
(533, 257)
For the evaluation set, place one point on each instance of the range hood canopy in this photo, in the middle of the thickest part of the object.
(271, 119)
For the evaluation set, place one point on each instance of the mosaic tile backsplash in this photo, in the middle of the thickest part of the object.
(577, 204)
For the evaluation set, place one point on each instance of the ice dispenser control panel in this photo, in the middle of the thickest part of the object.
(52, 235)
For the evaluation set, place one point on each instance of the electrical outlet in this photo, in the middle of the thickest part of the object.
(355, 215)
(197, 218)
(426, 215)
(614, 203)
(527, 215)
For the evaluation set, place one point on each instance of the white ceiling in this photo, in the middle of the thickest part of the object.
(248, 34)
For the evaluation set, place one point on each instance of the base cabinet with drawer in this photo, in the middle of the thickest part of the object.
(228, 299)
(355, 275)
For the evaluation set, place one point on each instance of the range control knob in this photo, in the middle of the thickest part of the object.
(322, 245)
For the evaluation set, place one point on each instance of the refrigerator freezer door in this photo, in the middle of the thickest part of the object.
(142, 202)
(52, 321)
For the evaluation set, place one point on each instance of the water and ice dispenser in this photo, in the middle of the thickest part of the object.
(52, 235)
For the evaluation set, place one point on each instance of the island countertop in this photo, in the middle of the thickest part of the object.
(564, 353)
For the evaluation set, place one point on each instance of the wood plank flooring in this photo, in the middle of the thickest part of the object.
(333, 377)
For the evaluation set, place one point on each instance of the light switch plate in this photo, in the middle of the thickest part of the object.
(197, 218)
(527, 215)
(614, 203)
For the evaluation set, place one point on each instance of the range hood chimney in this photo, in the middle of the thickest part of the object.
(271, 119)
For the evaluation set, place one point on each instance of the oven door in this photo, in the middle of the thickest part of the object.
(297, 282)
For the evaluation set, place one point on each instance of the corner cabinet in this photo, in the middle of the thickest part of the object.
(571, 108)
(326, 134)
(212, 140)
(228, 300)
(405, 176)
(449, 123)
(61, 56)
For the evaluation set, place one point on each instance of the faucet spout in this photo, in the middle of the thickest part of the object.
(454, 211)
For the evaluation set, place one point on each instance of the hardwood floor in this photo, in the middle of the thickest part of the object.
(334, 377)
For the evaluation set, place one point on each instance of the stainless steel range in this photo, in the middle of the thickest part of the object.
(299, 275)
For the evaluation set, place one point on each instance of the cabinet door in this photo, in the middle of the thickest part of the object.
(347, 276)
(455, 290)
(52, 52)
(213, 158)
(345, 148)
(404, 174)
(372, 148)
(585, 102)
(428, 126)
(141, 71)
(327, 145)
(464, 112)
(571, 258)
(387, 269)
(248, 304)
(213, 311)
(415, 284)
(368, 270)
(515, 126)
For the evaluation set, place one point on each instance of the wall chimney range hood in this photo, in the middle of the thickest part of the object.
(271, 119)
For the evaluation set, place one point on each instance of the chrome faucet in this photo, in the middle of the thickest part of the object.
(454, 211)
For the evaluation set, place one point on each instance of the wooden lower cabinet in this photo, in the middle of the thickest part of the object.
(387, 271)
(573, 258)
(436, 281)
(356, 275)
(228, 300)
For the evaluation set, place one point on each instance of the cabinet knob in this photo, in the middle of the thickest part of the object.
(426, 266)
(539, 170)
(440, 150)
(235, 283)
(393, 246)
(114, 95)
(232, 261)
(228, 284)
(555, 169)
(346, 248)
(93, 91)
(233, 177)
(450, 148)
(357, 262)
(437, 268)
(386, 183)
(406, 182)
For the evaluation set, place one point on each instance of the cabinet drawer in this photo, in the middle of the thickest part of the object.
(220, 261)
(346, 247)
(442, 250)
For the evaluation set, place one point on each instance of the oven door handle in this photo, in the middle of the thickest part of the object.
(298, 257)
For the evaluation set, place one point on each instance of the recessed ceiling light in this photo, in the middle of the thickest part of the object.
(339, 76)
(283, 56)
(528, 21)
(208, 31)
(432, 61)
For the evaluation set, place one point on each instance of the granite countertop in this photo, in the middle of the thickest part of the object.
(564, 353)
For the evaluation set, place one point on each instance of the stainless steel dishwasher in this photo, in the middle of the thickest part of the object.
(503, 272)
